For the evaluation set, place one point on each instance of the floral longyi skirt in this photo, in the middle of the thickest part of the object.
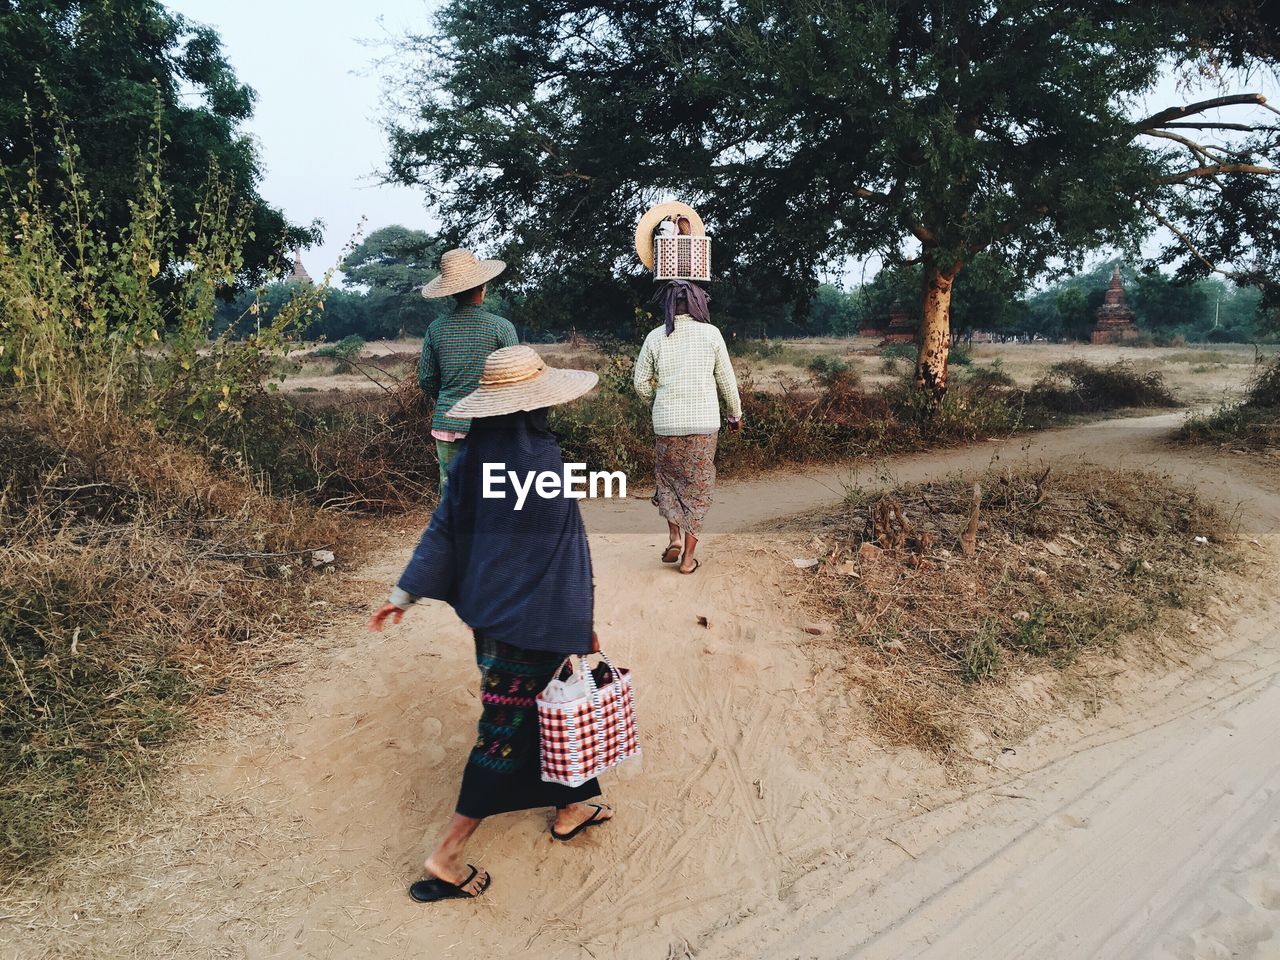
(685, 469)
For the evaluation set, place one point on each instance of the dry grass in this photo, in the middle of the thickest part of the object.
(1253, 422)
(1064, 564)
(137, 585)
(1077, 386)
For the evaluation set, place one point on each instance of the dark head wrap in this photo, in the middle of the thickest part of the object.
(519, 576)
(673, 294)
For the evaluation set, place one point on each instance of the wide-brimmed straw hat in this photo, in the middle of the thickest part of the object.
(461, 270)
(515, 378)
(649, 222)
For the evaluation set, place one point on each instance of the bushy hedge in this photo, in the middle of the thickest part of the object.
(1077, 386)
(1252, 422)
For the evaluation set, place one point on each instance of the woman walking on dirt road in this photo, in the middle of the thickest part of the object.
(684, 371)
(521, 579)
(455, 346)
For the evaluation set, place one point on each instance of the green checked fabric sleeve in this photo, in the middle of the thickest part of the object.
(686, 376)
(453, 354)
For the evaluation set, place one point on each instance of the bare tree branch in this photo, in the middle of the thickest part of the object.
(922, 233)
(1246, 127)
(1198, 150)
(1176, 113)
(1185, 240)
(1217, 169)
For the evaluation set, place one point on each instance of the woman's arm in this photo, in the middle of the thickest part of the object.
(429, 368)
(646, 371)
(430, 571)
(727, 380)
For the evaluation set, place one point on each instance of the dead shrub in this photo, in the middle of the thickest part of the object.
(1063, 564)
(1252, 422)
(135, 581)
(1077, 386)
(371, 452)
(1264, 389)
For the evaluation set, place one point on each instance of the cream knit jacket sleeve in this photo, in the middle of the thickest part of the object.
(727, 380)
(645, 375)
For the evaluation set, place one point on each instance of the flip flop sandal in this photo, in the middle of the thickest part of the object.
(593, 821)
(668, 556)
(432, 889)
(696, 564)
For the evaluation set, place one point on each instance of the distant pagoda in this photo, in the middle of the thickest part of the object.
(873, 327)
(1115, 320)
(902, 329)
(299, 273)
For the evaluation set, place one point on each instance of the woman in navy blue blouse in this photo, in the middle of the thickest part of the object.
(521, 579)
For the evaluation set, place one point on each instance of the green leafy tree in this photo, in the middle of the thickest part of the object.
(1042, 318)
(809, 130)
(987, 296)
(1161, 305)
(104, 71)
(1234, 308)
(1075, 312)
(392, 264)
(833, 311)
(897, 285)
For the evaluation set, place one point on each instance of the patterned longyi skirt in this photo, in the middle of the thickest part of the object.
(504, 770)
(685, 469)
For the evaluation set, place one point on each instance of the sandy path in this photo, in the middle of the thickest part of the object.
(758, 826)
(1250, 482)
(1154, 836)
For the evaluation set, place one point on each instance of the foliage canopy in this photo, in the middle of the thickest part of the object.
(811, 131)
(109, 70)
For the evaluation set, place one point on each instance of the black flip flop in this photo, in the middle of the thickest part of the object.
(688, 573)
(666, 552)
(431, 889)
(593, 821)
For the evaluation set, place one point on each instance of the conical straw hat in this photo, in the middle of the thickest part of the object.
(649, 222)
(461, 270)
(515, 378)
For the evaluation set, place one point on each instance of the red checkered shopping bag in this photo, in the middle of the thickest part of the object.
(586, 727)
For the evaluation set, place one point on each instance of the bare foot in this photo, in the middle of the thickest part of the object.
(688, 564)
(672, 553)
(455, 873)
(575, 815)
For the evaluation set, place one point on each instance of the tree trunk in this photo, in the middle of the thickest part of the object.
(935, 328)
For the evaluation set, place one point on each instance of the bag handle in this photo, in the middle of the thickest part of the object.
(593, 692)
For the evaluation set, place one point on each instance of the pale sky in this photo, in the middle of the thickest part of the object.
(316, 119)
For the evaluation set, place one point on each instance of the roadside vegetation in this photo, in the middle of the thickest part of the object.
(1253, 422)
(160, 527)
(1059, 565)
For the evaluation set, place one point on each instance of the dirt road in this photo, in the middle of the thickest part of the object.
(762, 822)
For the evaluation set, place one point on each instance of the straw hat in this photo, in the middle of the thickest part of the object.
(461, 270)
(649, 222)
(515, 378)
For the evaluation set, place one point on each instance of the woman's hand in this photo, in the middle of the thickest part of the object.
(735, 424)
(595, 642)
(380, 618)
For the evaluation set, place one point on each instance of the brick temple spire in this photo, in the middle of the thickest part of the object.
(299, 273)
(1114, 319)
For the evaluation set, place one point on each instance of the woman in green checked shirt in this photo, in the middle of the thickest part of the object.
(684, 370)
(455, 346)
